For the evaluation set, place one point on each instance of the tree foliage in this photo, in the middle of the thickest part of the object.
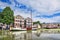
(7, 15)
(1, 17)
(37, 22)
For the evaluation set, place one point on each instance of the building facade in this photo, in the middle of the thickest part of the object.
(36, 26)
(18, 22)
(28, 22)
(51, 25)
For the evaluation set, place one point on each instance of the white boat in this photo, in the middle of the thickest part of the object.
(18, 29)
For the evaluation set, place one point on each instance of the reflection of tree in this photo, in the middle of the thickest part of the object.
(38, 33)
(13, 37)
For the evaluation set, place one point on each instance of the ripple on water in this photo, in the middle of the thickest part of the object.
(46, 36)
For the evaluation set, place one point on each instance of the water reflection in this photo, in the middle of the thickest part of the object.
(38, 33)
(22, 35)
(28, 35)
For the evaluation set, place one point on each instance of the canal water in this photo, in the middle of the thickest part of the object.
(28, 35)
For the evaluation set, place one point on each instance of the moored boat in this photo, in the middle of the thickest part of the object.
(18, 29)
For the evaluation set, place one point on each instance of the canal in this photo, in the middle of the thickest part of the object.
(28, 35)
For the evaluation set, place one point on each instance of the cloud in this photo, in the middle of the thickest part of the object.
(48, 16)
(23, 14)
(48, 20)
(43, 6)
(42, 10)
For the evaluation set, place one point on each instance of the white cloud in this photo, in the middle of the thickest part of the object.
(45, 7)
(3, 5)
(48, 20)
(42, 7)
(22, 13)
(17, 11)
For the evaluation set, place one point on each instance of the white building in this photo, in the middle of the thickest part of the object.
(18, 22)
(28, 22)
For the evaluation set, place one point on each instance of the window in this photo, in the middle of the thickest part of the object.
(20, 25)
(16, 23)
(20, 22)
(29, 25)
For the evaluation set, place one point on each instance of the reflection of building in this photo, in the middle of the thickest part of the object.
(29, 36)
(19, 36)
(19, 22)
(23, 36)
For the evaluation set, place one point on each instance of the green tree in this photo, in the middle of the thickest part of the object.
(1, 17)
(37, 22)
(8, 15)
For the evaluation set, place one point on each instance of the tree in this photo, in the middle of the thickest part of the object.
(8, 15)
(1, 17)
(37, 22)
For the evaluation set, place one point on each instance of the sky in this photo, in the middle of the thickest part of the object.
(45, 11)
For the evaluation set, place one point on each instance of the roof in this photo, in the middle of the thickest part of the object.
(28, 18)
(19, 16)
